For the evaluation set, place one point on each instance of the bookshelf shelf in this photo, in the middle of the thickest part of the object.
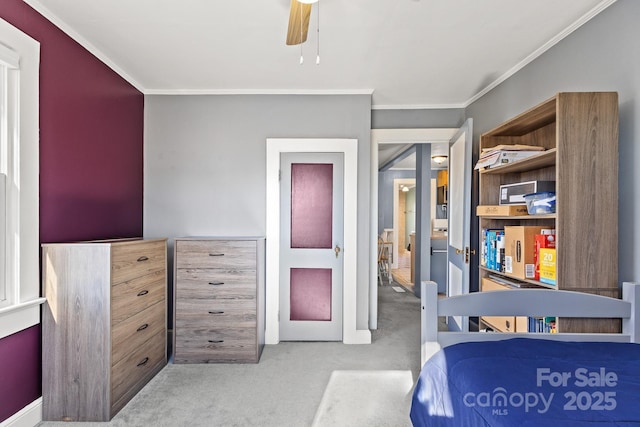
(579, 134)
(537, 161)
(519, 217)
(511, 278)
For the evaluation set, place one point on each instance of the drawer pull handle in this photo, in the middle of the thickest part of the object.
(143, 327)
(143, 362)
(143, 258)
(216, 341)
(141, 293)
(216, 283)
(216, 312)
(216, 254)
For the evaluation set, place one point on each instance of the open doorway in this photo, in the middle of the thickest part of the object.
(397, 184)
(404, 227)
(389, 144)
(434, 218)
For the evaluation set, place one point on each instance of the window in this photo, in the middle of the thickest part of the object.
(19, 164)
(9, 174)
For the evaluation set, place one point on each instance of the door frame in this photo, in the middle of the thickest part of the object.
(391, 136)
(396, 216)
(459, 268)
(349, 147)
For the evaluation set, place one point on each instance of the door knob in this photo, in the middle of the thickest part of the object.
(337, 249)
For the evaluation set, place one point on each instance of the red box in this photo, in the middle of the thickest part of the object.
(542, 241)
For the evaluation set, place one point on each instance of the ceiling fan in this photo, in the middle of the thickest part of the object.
(299, 14)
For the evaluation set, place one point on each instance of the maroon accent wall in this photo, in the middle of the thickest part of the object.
(21, 362)
(91, 168)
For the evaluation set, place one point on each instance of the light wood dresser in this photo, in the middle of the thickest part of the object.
(219, 299)
(103, 326)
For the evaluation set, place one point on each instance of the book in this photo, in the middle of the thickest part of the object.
(546, 325)
(547, 258)
(547, 239)
(483, 248)
(499, 158)
(514, 147)
(500, 252)
(511, 283)
(493, 261)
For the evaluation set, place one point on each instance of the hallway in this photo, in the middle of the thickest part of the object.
(402, 274)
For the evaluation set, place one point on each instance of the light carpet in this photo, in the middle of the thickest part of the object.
(365, 398)
(295, 384)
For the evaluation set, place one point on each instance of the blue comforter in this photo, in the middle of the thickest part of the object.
(530, 382)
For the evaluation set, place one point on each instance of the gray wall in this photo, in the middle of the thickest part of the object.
(205, 155)
(385, 196)
(602, 55)
(410, 214)
(205, 162)
(403, 119)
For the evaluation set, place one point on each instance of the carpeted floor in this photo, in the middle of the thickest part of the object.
(295, 384)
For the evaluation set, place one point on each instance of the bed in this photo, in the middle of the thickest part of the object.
(494, 379)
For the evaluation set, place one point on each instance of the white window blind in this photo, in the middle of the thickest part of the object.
(19, 160)
(6, 296)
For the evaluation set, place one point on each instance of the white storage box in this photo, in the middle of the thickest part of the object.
(513, 194)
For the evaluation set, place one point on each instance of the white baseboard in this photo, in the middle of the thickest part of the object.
(29, 416)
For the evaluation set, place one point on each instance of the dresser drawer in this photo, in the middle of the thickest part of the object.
(227, 254)
(215, 283)
(136, 365)
(134, 259)
(202, 345)
(134, 331)
(133, 296)
(215, 313)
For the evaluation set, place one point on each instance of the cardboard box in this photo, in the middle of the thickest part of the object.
(502, 323)
(504, 210)
(545, 240)
(519, 251)
(513, 194)
(548, 266)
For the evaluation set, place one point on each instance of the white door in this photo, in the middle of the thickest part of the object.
(311, 242)
(459, 228)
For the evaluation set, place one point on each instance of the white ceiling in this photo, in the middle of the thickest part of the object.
(408, 53)
(388, 152)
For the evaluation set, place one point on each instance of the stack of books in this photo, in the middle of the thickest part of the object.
(505, 154)
(545, 325)
(492, 249)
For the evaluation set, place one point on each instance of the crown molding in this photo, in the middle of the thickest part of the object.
(38, 6)
(533, 56)
(542, 49)
(258, 91)
(419, 107)
(66, 28)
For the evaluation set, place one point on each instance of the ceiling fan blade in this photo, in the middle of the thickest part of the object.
(298, 22)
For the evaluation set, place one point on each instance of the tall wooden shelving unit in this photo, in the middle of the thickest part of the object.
(579, 132)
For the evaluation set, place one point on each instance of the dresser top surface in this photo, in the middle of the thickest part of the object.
(221, 238)
(124, 241)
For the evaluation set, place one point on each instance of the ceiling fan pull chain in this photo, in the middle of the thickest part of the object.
(301, 57)
(318, 37)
